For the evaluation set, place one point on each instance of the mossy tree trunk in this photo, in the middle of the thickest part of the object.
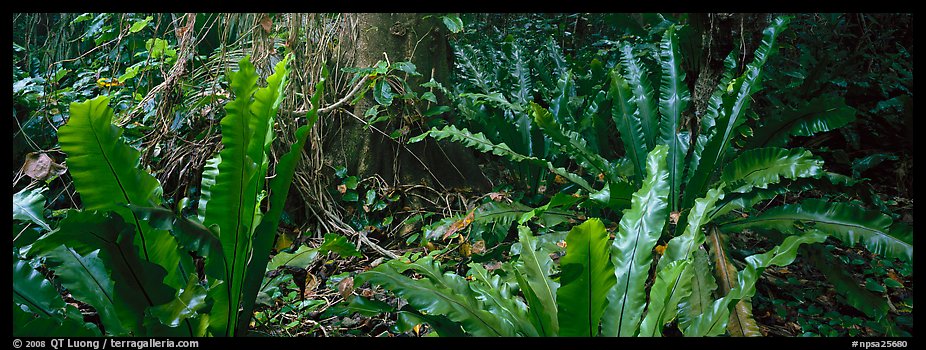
(420, 39)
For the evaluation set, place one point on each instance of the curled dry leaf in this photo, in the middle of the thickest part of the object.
(498, 196)
(346, 287)
(673, 217)
(342, 188)
(266, 23)
(41, 167)
(479, 247)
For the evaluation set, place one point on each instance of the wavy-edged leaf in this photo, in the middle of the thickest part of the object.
(623, 111)
(872, 305)
(27, 324)
(185, 306)
(847, 222)
(713, 321)
(139, 284)
(89, 281)
(821, 114)
(498, 299)
(28, 205)
(105, 172)
(672, 285)
(573, 144)
(437, 293)
(638, 77)
(708, 120)
(741, 323)
(480, 143)
(614, 195)
(533, 269)
(732, 113)
(520, 71)
(703, 285)
(757, 168)
(302, 258)
(586, 277)
(683, 246)
(673, 100)
(32, 289)
(210, 172)
(631, 250)
(190, 235)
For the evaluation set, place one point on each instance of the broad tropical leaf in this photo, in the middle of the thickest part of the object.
(703, 285)
(500, 300)
(845, 221)
(480, 143)
(673, 100)
(533, 269)
(30, 288)
(732, 113)
(586, 278)
(672, 285)
(105, 172)
(28, 205)
(638, 77)
(573, 144)
(623, 111)
(741, 323)
(438, 293)
(757, 168)
(713, 321)
(631, 251)
(111, 239)
(820, 114)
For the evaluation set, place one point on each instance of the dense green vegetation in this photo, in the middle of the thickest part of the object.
(571, 175)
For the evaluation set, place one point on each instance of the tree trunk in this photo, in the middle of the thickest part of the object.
(367, 151)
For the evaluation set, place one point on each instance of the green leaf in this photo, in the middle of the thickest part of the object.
(638, 77)
(500, 300)
(573, 144)
(757, 168)
(631, 251)
(436, 110)
(870, 304)
(845, 221)
(137, 284)
(533, 269)
(683, 246)
(138, 26)
(821, 114)
(874, 286)
(407, 67)
(587, 276)
(28, 205)
(351, 182)
(26, 324)
(190, 235)
(732, 113)
(615, 196)
(367, 307)
(190, 300)
(89, 281)
(714, 320)
(105, 172)
(382, 92)
(703, 285)
(860, 165)
(32, 289)
(673, 100)
(302, 258)
(233, 206)
(437, 293)
(480, 143)
(453, 22)
(339, 245)
(623, 111)
(672, 285)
